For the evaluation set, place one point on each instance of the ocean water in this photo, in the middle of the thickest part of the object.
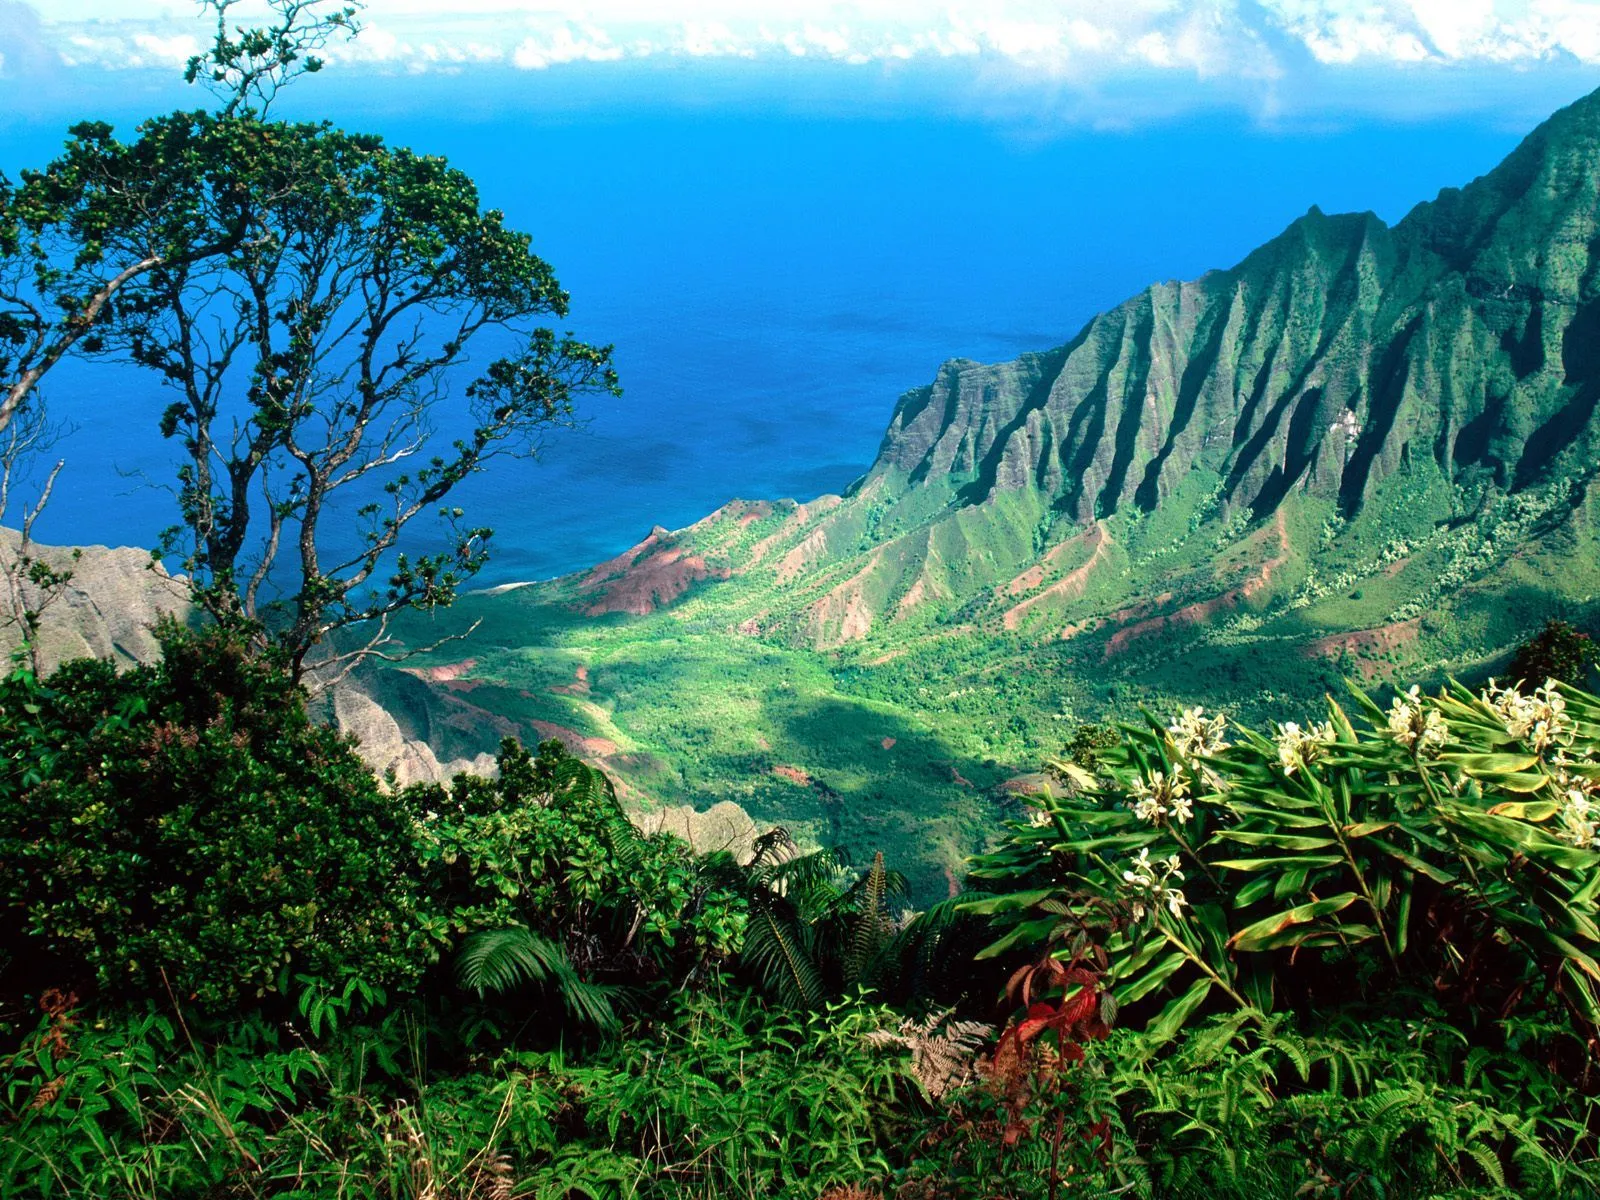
(772, 281)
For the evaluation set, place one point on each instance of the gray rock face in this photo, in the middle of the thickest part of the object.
(106, 610)
(386, 748)
(110, 606)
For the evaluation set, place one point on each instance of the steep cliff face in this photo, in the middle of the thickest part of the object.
(1348, 388)
(1323, 362)
(107, 608)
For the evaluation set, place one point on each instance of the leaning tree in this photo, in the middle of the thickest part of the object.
(312, 312)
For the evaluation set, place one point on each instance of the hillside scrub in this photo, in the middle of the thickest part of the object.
(239, 965)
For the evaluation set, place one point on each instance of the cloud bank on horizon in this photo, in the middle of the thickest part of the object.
(1254, 51)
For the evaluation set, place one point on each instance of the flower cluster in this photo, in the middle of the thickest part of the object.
(1412, 723)
(1540, 719)
(1194, 735)
(1161, 795)
(1579, 815)
(1151, 890)
(1298, 748)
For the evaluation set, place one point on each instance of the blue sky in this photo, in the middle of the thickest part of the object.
(1065, 63)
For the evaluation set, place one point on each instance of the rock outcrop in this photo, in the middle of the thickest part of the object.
(107, 608)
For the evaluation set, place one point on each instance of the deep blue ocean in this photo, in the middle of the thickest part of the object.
(773, 281)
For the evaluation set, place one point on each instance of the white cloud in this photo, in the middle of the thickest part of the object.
(566, 44)
(1092, 35)
(1055, 47)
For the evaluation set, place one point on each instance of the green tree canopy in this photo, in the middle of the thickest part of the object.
(311, 296)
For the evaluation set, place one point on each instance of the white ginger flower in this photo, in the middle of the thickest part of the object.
(1150, 885)
(1539, 719)
(1161, 795)
(1403, 716)
(1579, 816)
(1038, 818)
(1195, 735)
(1141, 869)
(1413, 724)
(1298, 747)
(1435, 733)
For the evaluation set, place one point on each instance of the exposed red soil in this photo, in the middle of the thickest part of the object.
(792, 774)
(802, 513)
(952, 882)
(843, 615)
(1380, 639)
(1131, 613)
(445, 672)
(1396, 567)
(1026, 785)
(810, 548)
(598, 747)
(887, 743)
(957, 777)
(915, 595)
(1034, 575)
(579, 685)
(646, 577)
(741, 513)
(1069, 586)
(613, 567)
(1202, 611)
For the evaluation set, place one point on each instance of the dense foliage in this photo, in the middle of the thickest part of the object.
(1355, 958)
(1350, 959)
(1425, 876)
(185, 825)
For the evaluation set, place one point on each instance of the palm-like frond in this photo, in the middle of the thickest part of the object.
(869, 923)
(777, 948)
(502, 960)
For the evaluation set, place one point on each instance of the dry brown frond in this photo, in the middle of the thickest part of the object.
(850, 1192)
(943, 1052)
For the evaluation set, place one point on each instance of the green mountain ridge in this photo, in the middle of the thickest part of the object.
(1363, 450)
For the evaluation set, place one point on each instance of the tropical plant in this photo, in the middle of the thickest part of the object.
(502, 960)
(818, 929)
(556, 888)
(187, 826)
(1450, 838)
(1558, 651)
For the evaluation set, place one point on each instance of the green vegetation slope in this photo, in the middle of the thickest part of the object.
(1364, 449)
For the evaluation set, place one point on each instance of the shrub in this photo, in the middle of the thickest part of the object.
(186, 826)
(545, 846)
(1558, 651)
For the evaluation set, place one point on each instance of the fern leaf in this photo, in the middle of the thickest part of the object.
(867, 929)
(774, 949)
(501, 960)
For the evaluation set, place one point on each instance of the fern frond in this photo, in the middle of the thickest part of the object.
(501, 960)
(775, 949)
(868, 924)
